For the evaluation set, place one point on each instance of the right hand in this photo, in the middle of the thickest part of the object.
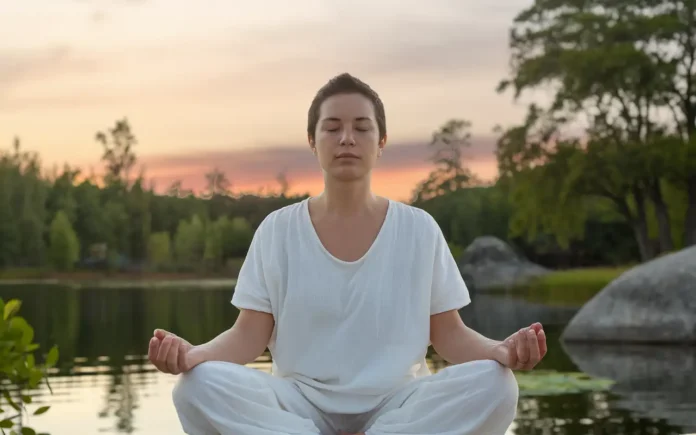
(171, 354)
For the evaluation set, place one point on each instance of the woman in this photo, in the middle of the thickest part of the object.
(348, 290)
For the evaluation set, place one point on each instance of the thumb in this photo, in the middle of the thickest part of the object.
(161, 333)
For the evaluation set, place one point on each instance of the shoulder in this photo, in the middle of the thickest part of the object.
(280, 219)
(408, 215)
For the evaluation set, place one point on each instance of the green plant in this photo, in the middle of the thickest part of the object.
(18, 369)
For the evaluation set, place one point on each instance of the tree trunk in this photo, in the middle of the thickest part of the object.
(640, 226)
(639, 222)
(664, 225)
(690, 223)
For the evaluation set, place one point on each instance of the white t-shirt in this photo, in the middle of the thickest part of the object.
(349, 333)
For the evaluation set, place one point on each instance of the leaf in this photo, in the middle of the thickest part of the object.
(26, 399)
(52, 357)
(549, 383)
(27, 332)
(28, 431)
(11, 307)
(11, 402)
(6, 423)
(42, 410)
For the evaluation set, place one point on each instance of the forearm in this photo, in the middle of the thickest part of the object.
(233, 345)
(462, 344)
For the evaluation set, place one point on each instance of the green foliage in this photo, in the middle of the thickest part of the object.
(64, 244)
(625, 70)
(237, 237)
(19, 372)
(160, 251)
(189, 242)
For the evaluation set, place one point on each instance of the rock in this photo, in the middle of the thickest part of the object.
(489, 262)
(651, 303)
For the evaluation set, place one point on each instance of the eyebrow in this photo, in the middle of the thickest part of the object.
(358, 119)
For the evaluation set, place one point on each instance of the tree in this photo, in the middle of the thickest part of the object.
(64, 244)
(160, 251)
(119, 157)
(618, 67)
(217, 183)
(236, 237)
(450, 173)
(189, 242)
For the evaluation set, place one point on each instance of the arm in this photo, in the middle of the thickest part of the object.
(457, 343)
(245, 341)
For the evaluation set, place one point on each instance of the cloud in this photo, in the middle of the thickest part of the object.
(258, 167)
(18, 67)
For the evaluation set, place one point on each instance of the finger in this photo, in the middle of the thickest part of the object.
(162, 354)
(152, 349)
(522, 348)
(541, 338)
(533, 346)
(537, 327)
(161, 333)
(173, 356)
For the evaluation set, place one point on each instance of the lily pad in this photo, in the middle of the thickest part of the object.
(550, 383)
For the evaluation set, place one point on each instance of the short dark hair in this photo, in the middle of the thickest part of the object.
(346, 84)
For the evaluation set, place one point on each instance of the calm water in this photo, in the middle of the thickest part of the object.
(105, 386)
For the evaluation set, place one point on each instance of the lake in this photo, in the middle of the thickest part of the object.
(104, 384)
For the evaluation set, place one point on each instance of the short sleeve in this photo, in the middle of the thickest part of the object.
(449, 291)
(251, 291)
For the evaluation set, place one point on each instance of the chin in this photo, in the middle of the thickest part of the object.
(348, 174)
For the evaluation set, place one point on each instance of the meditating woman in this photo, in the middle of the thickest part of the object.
(347, 290)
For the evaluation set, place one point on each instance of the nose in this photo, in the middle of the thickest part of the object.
(347, 137)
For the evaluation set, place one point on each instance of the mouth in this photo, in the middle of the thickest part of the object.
(347, 156)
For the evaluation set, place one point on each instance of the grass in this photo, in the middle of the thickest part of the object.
(569, 287)
(593, 278)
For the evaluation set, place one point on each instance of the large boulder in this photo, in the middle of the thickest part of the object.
(651, 303)
(490, 263)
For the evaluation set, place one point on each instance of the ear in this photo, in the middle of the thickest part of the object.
(383, 141)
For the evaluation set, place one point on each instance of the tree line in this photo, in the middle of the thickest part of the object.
(65, 220)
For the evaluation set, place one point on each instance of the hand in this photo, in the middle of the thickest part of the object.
(524, 349)
(172, 354)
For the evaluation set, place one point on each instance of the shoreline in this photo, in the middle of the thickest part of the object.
(83, 279)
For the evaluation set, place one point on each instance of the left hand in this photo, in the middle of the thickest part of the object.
(524, 349)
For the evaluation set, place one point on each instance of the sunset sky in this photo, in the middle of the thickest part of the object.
(228, 84)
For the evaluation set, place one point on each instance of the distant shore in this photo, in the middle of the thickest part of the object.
(116, 279)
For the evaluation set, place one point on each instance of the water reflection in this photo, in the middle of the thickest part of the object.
(655, 381)
(104, 385)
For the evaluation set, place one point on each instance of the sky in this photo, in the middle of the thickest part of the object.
(228, 84)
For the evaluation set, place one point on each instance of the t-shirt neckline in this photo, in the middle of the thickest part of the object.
(315, 237)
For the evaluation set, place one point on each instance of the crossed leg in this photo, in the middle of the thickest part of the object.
(230, 399)
(474, 398)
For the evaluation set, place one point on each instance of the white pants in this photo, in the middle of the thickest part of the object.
(228, 399)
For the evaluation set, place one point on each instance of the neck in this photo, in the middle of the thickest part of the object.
(347, 198)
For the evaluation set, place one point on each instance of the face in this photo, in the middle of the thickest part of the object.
(346, 140)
